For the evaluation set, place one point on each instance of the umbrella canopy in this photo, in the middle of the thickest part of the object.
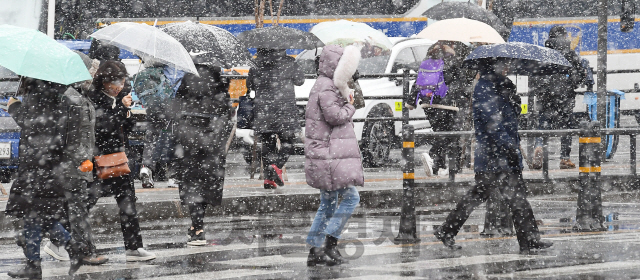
(461, 30)
(450, 10)
(344, 33)
(147, 41)
(525, 59)
(202, 38)
(278, 37)
(31, 53)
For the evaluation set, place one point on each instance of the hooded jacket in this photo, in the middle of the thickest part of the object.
(331, 148)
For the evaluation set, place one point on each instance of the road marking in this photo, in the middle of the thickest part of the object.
(224, 274)
(569, 270)
(450, 262)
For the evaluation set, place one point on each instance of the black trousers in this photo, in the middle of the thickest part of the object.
(511, 187)
(125, 195)
(196, 211)
(76, 193)
(441, 120)
(270, 153)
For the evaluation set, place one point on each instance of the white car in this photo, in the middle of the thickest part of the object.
(377, 137)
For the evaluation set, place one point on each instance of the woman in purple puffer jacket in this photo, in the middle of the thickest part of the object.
(333, 163)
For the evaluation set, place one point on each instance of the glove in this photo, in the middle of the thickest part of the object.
(513, 158)
(86, 166)
(12, 100)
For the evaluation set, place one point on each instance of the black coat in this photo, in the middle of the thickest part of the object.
(556, 92)
(35, 190)
(112, 124)
(275, 102)
(203, 112)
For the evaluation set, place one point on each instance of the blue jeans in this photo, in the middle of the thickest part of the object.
(33, 230)
(331, 218)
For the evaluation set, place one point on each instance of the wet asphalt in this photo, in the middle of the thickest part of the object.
(271, 246)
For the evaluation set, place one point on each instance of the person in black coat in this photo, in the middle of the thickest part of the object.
(557, 96)
(203, 111)
(36, 196)
(276, 116)
(111, 98)
(498, 160)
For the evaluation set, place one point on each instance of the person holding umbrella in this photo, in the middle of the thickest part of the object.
(204, 111)
(498, 159)
(113, 125)
(275, 111)
(333, 162)
(557, 96)
(273, 80)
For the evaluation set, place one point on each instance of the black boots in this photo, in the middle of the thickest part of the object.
(447, 239)
(534, 246)
(316, 257)
(32, 270)
(331, 250)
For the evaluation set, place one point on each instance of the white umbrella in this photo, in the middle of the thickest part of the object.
(147, 41)
(461, 30)
(344, 32)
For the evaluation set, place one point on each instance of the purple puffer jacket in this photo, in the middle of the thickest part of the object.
(331, 147)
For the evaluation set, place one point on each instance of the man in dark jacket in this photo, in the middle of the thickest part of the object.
(36, 195)
(204, 111)
(276, 116)
(498, 161)
(556, 94)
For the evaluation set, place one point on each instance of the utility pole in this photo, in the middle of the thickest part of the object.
(602, 59)
(51, 18)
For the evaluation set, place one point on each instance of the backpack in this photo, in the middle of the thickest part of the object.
(430, 80)
(152, 87)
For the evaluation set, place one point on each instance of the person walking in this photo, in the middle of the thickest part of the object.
(36, 196)
(557, 96)
(155, 86)
(431, 87)
(113, 124)
(332, 156)
(498, 160)
(76, 126)
(204, 113)
(275, 111)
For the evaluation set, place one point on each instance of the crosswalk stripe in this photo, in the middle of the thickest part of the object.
(569, 270)
(450, 262)
(224, 274)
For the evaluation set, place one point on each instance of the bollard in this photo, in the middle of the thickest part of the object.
(407, 232)
(589, 209)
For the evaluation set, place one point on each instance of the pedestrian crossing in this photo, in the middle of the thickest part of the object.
(480, 258)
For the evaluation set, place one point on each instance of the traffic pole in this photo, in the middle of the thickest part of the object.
(589, 209)
(407, 232)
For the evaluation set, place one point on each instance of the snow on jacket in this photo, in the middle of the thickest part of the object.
(273, 81)
(495, 115)
(331, 148)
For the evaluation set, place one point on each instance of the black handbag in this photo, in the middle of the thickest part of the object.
(245, 112)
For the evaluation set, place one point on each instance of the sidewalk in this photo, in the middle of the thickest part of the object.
(383, 189)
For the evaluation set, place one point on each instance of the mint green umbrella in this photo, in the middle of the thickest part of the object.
(30, 53)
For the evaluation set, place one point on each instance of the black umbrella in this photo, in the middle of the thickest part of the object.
(278, 37)
(449, 10)
(524, 59)
(215, 42)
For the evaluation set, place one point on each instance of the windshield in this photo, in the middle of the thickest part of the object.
(369, 65)
(373, 65)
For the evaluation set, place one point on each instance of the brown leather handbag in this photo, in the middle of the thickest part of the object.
(112, 165)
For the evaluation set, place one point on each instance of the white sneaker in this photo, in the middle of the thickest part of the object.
(146, 177)
(171, 183)
(427, 162)
(58, 253)
(139, 255)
